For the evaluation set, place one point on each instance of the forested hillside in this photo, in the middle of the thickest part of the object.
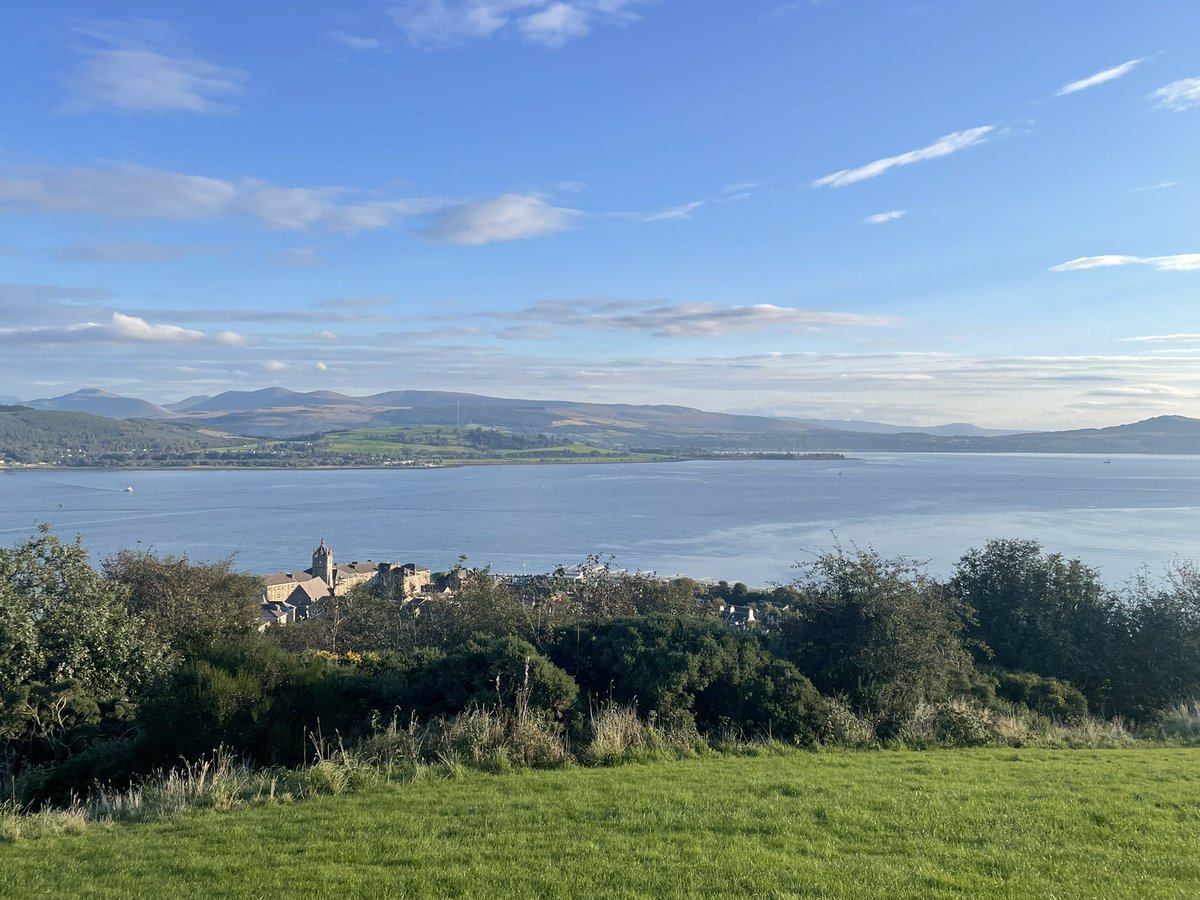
(32, 436)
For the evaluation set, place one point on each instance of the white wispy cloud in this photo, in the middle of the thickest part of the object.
(141, 66)
(687, 319)
(1144, 390)
(509, 217)
(1182, 262)
(120, 191)
(889, 216)
(129, 251)
(355, 41)
(1179, 95)
(1100, 77)
(675, 213)
(136, 192)
(1182, 338)
(434, 23)
(943, 146)
(120, 328)
(299, 258)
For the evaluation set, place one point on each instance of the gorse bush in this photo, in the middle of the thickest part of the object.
(689, 672)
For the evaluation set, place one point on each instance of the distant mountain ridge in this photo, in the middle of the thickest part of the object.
(102, 403)
(282, 413)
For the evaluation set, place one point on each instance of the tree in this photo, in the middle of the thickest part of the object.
(1038, 612)
(880, 631)
(61, 621)
(73, 657)
(600, 592)
(1159, 661)
(682, 669)
(192, 605)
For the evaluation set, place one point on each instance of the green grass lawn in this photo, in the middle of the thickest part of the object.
(1000, 823)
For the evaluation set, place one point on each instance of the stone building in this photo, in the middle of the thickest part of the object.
(405, 581)
(325, 578)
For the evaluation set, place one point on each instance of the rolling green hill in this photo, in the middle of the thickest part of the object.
(32, 436)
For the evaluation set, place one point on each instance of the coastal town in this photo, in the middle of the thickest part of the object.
(292, 596)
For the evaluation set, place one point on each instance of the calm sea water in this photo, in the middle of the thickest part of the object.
(738, 520)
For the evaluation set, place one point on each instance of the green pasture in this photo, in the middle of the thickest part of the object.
(977, 823)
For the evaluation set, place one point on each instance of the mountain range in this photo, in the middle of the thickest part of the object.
(281, 413)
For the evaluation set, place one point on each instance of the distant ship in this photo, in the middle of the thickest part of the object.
(129, 490)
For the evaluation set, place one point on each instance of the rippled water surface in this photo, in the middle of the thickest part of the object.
(744, 520)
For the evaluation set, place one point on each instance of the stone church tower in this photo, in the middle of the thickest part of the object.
(322, 563)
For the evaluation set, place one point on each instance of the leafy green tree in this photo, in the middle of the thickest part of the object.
(1159, 654)
(61, 621)
(73, 658)
(1038, 612)
(601, 592)
(879, 631)
(682, 669)
(192, 605)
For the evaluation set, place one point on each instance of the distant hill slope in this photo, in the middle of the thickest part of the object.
(279, 412)
(611, 423)
(188, 403)
(47, 436)
(271, 398)
(102, 403)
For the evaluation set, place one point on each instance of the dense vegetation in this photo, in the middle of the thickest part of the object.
(30, 436)
(107, 675)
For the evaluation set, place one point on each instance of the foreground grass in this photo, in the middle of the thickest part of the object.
(1004, 823)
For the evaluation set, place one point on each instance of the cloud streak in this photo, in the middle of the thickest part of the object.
(1179, 96)
(687, 320)
(881, 218)
(1182, 262)
(119, 329)
(355, 41)
(1100, 78)
(675, 213)
(943, 146)
(139, 193)
(1182, 338)
(140, 67)
(509, 217)
(129, 251)
(551, 23)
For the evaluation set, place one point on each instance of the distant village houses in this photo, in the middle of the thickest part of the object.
(290, 596)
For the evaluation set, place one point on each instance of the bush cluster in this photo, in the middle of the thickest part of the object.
(110, 675)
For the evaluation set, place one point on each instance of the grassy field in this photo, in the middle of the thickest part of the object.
(450, 445)
(984, 823)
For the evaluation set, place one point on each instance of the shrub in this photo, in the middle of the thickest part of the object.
(684, 670)
(844, 728)
(954, 723)
(1179, 723)
(1048, 697)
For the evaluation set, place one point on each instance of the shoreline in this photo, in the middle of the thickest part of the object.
(461, 464)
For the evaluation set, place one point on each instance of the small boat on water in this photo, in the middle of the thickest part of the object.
(129, 490)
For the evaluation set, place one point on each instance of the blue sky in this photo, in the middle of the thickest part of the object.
(908, 211)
